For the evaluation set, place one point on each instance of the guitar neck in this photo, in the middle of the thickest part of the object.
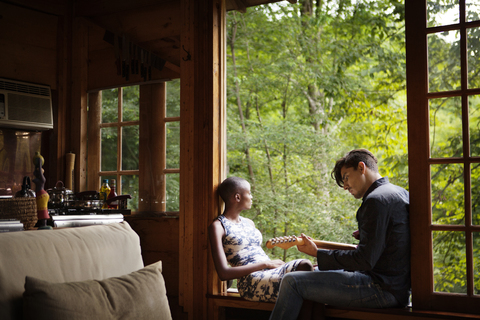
(329, 245)
(290, 241)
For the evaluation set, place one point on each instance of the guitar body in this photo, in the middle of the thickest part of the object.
(290, 241)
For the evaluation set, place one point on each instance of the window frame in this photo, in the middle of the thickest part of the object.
(423, 295)
(152, 146)
(119, 125)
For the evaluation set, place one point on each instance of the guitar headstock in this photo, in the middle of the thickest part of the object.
(284, 242)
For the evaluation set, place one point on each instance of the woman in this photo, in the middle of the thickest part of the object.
(236, 241)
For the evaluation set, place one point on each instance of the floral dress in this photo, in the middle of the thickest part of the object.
(243, 245)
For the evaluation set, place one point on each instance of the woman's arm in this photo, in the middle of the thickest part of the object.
(216, 233)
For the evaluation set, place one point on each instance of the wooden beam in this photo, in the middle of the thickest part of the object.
(152, 148)
(187, 155)
(239, 5)
(418, 154)
(78, 117)
(202, 151)
(94, 144)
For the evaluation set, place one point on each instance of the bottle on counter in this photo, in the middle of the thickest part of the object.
(113, 193)
(104, 192)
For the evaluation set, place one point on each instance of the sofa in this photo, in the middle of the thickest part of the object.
(93, 272)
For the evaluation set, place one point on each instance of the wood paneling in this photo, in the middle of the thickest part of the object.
(144, 24)
(102, 70)
(29, 45)
(54, 7)
(78, 111)
(159, 241)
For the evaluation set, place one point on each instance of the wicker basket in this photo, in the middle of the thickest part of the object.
(23, 209)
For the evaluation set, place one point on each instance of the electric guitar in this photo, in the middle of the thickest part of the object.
(290, 241)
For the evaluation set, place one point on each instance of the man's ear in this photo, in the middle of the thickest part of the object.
(362, 167)
(238, 197)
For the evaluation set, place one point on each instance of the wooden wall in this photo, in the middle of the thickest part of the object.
(61, 43)
(28, 39)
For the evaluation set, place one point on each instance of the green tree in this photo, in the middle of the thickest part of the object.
(303, 92)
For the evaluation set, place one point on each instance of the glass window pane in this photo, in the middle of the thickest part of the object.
(173, 192)
(131, 103)
(173, 98)
(474, 124)
(442, 12)
(109, 149)
(475, 182)
(447, 194)
(449, 262)
(173, 145)
(446, 127)
(110, 106)
(473, 55)
(472, 10)
(476, 262)
(130, 148)
(444, 61)
(130, 186)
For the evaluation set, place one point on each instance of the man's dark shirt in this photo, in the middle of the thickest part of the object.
(384, 248)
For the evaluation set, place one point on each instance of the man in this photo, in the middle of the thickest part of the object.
(377, 273)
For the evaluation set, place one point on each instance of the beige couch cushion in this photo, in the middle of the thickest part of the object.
(140, 295)
(64, 255)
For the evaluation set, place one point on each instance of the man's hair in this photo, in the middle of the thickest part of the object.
(351, 160)
(229, 187)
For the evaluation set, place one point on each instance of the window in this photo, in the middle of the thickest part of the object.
(119, 132)
(172, 169)
(443, 98)
(118, 150)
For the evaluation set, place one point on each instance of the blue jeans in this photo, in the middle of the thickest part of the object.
(337, 288)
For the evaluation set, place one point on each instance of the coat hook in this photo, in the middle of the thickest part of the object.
(189, 56)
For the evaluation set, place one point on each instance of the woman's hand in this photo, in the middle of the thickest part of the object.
(272, 264)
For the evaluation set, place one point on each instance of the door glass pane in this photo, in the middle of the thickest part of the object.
(474, 124)
(173, 192)
(131, 104)
(442, 12)
(446, 127)
(109, 149)
(447, 194)
(173, 98)
(476, 262)
(472, 10)
(473, 54)
(130, 148)
(444, 61)
(449, 262)
(130, 186)
(173, 145)
(110, 106)
(475, 182)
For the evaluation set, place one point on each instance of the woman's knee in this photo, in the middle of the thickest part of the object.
(305, 265)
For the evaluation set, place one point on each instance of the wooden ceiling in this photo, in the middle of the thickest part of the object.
(153, 25)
